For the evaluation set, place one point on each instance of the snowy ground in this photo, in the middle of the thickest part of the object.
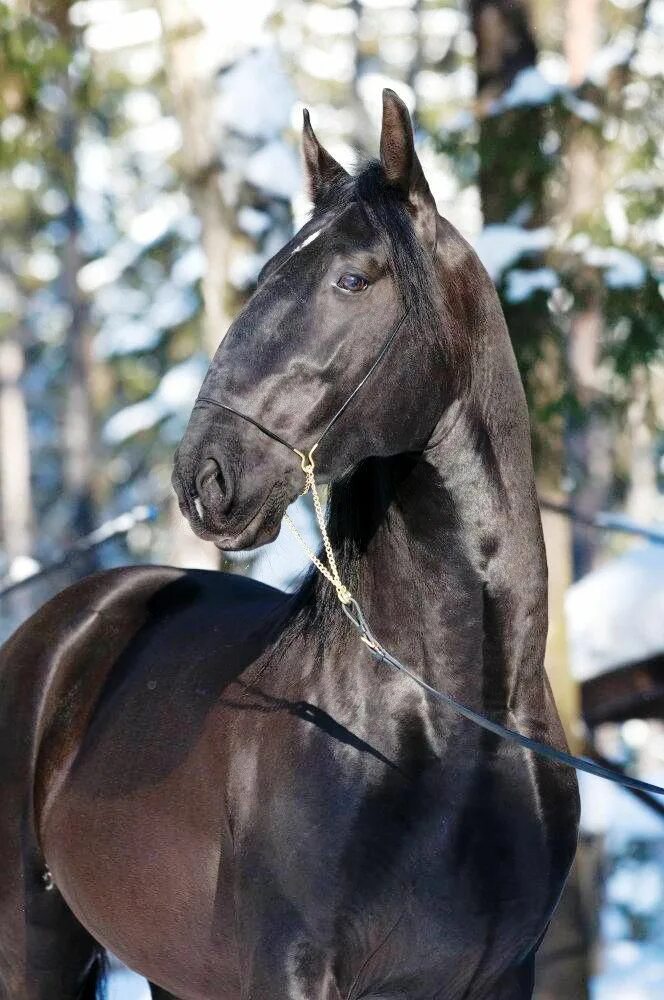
(126, 985)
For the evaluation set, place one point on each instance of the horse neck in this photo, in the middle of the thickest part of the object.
(444, 551)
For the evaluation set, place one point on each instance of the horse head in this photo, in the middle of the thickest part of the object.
(352, 310)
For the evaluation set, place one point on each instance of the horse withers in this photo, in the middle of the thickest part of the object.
(214, 779)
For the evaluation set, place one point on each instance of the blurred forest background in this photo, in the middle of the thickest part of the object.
(149, 166)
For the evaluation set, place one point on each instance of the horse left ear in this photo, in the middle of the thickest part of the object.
(322, 170)
(402, 168)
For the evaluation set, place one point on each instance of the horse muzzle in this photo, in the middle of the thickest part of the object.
(208, 495)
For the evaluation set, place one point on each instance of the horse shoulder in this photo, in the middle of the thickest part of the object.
(59, 664)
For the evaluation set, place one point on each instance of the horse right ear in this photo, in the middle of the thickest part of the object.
(402, 168)
(322, 169)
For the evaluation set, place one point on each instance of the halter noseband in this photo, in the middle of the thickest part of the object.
(306, 457)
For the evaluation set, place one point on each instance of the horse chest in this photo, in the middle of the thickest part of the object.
(358, 861)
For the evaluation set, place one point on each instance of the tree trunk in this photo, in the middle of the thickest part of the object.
(16, 508)
(15, 488)
(79, 430)
(642, 499)
(588, 437)
(508, 174)
(79, 437)
(192, 86)
(191, 83)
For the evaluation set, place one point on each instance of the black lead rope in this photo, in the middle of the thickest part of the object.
(512, 736)
(376, 649)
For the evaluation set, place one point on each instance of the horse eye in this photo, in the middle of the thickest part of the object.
(352, 282)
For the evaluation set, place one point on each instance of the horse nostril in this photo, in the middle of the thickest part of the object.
(212, 488)
(208, 471)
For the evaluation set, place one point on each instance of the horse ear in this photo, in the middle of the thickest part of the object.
(402, 168)
(322, 169)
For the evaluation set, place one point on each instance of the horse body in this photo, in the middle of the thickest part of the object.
(231, 794)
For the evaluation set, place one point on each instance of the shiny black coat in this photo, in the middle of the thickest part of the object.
(230, 794)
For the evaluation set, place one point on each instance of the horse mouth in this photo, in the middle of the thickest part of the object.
(262, 527)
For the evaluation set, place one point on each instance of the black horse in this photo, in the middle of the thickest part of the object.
(214, 779)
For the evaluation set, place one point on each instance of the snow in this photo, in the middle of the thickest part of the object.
(502, 245)
(554, 67)
(21, 568)
(623, 269)
(125, 337)
(125, 985)
(522, 284)
(616, 216)
(389, 5)
(323, 20)
(169, 212)
(371, 86)
(11, 127)
(230, 28)
(443, 21)
(528, 89)
(148, 227)
(135, 27)
(640, 889)
(179, 387)
(175, 395)
(27, 176)
(161, 138)
(86, 12)
(10, 300)
(104, 270)
(616, 53)
(132, 420)
(329, 61)
(244, 268)
(615, 615)
(632, 972)
(275, 169)
(585, 110)
(172, 306)
(256, 96)
(614, 813)
(189, 267)
(252, 221)
(462, 121)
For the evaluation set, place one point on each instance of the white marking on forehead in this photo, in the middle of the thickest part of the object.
(310, 238)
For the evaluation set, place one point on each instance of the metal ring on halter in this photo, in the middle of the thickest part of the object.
(307, 460)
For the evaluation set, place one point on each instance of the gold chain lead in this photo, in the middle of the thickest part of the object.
(330, 572)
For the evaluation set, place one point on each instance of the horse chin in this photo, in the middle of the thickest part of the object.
(251, 538)
(263, 527)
